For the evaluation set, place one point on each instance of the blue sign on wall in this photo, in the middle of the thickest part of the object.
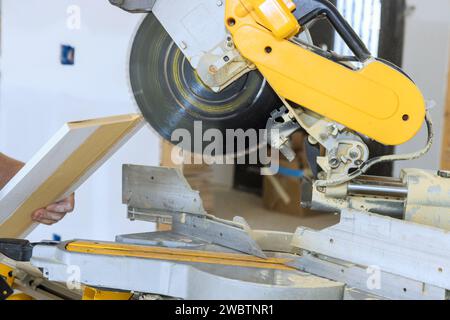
(67, 55)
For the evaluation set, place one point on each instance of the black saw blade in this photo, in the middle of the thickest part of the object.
(171, 96)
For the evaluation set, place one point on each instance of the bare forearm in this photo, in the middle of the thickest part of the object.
(8, 169)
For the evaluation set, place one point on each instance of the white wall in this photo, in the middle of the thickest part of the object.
(38, 95)
(426, 57)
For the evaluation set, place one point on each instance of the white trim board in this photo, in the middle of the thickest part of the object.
(71, 156)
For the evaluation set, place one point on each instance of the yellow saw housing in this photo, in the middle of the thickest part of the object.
(376, 100)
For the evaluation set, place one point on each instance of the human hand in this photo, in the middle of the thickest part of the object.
(54, 212)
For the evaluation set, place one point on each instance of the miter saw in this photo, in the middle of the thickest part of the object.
(252, 64)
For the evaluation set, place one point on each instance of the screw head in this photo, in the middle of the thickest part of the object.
(334, 162)
(354, 155)
(213, 69)
(322, 175)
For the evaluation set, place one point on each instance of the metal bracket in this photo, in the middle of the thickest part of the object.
(280, 127)
(152, 193)
(158, 194)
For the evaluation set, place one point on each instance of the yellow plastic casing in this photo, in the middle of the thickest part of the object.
(275, 15)
(376, 100)
(90, 293)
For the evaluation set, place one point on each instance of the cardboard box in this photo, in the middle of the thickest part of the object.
(279, 188)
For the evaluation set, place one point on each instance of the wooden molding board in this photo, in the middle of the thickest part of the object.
(60, 167)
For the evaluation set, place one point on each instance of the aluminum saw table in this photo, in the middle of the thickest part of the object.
(365, 256)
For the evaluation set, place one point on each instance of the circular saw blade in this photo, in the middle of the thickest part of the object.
(171, 96)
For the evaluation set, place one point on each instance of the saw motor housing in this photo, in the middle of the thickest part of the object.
(375, 100)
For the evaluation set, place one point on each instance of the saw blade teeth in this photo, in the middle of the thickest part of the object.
(171, 96)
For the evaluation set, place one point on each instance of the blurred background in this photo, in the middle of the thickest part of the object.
(66, 60)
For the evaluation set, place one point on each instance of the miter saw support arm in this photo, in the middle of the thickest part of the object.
(419, 196)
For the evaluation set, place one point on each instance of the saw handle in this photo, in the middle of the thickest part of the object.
(16, 249)
(309, 10)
